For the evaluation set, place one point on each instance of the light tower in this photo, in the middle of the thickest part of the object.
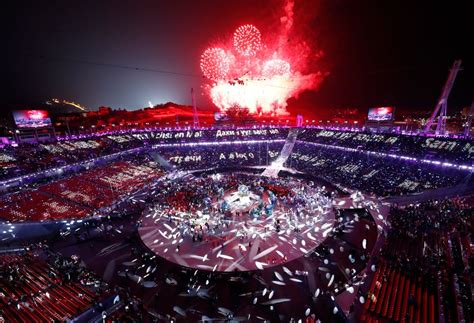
(442, 106)
(467, 126)
(195, 114)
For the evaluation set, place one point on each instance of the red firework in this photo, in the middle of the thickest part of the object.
(215, 63)
(275, 67)
(247, 40)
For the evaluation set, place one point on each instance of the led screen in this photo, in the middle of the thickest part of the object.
(31, 118)
(381, 113)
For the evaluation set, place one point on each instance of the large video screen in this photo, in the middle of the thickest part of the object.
(381, 113)
(31, 118)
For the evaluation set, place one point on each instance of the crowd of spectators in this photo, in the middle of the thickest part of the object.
(383, 176)
(203, 157)
(41, 286)
(422, 272)
(81, 195)
(455, 150)
(28, 158)
(424, 268)
(100, 186)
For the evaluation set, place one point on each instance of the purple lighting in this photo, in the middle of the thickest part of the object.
(400, 157)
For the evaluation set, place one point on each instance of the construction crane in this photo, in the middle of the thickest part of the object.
(441, 108)
(467, 126)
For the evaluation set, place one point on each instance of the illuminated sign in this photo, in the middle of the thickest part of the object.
(381, 114)
(31, 118)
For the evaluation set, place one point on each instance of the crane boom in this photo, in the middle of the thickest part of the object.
(442, 105)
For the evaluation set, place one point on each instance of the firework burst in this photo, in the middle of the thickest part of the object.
(247, 40)
(256, 75)
(215, 63)
(275, 67)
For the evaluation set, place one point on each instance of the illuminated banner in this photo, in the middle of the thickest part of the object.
(31, 118)
(236, 155)
(186, 159)
(246, 132)
(381, 114)
(165, 135)
(450, 145)
(229, 134)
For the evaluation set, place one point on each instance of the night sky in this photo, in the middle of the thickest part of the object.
(377, 52)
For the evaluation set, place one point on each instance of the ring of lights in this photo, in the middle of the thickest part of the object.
(229, 223)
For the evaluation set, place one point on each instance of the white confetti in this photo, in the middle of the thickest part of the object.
(277, 282)
(331, 280)
(277, 274)
(287, 271)
(277, 301)
(271, 294)
(316, 293)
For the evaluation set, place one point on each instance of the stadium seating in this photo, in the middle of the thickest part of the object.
(31, 290)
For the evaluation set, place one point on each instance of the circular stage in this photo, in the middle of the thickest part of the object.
(236, 222)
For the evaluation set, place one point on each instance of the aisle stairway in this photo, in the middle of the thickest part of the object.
(162, 161)
(274, 168)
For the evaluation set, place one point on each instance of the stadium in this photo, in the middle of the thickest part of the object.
(243, 204)
(298, 220)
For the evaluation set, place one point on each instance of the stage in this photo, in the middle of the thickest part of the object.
(227, 234)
